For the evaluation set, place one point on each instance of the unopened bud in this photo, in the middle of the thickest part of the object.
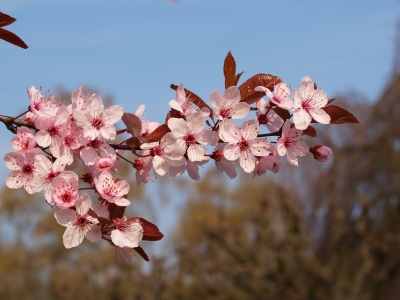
(138, 164)
(321, 153)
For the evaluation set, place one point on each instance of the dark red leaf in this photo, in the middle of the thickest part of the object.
(133, 124)
(266, 80)
(103, 221)
(116, 211)
(173, 113)
(310, 131)
(10, 37)
(253, 97)
(339, 115)
(331, 100)
(6, 19)
(141, 252)
(150, 231)
(283, 113)
(157, 134)
(134, 142)
(231, 78)
(192, 97)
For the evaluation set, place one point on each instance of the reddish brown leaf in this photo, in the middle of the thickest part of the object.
(192, 97)
(253, 97)
(103, 222)
(173, 113)
(331, 100)
(6, 20)
(283, 113)
(339, 115)
(231, 78)
(115, 211)
(266, 80)
(150, 231)
(157, 134)
(10, 37)
(134, 142)
(132, 123)
(310, 131)
(141, 252)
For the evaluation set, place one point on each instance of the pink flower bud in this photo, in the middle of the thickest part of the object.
(321, 153)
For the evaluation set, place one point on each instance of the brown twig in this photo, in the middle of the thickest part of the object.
(12, 124)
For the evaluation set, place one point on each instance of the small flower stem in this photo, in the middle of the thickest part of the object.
(215, 125)
(277, 133)
(124, 158)
(44, 150)
(87, 188)
(19, 116)
(134, 152)
(121, 131)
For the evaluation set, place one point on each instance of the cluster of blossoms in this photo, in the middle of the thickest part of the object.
(182, 147)
(47, 154)
(59, 138)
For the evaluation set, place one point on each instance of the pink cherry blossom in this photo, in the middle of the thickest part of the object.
(223, 165)
(97, 121)
(270, 162)
(101, 210)
(308, 104)
(143, 165)
(46, 171)
(93, 148)
(228, 104)
(64, 190)
(80, 100)
(69, 143)
(50, 128)
(79, 223)
(268, 117)
(291, 144)
(191, 135)
(165, 154)
(147, 126)
(123, 255)
(127, 232)
(280, 96)
(24, 141)
(321, 153)
(39, 105)
(109, 163)
(114, 191)
(182, 104)
(30, 117)
(23, 169)
(191, 166)
(243, 143)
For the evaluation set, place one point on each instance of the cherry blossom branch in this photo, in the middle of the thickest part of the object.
(12, 124)
(9, 122)
(277, 133)
(21, 115)
(127, 160)
(66, 136)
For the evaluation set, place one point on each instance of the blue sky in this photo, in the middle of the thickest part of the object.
(134, 49)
